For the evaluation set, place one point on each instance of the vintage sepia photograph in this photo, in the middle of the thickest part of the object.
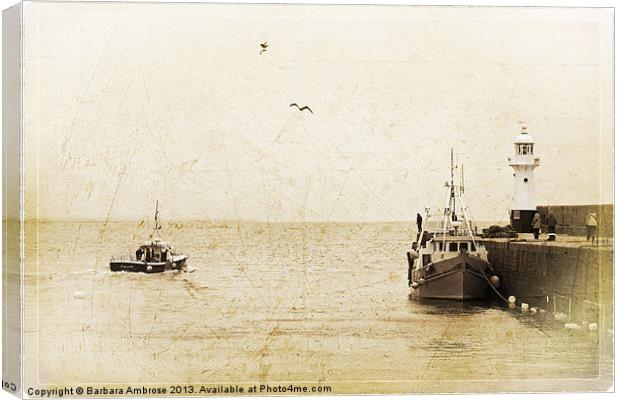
(206, 199)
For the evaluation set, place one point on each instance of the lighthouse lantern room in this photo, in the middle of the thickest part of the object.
(523, 163)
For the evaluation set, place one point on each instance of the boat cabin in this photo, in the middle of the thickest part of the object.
(154, 251)
(437, 248)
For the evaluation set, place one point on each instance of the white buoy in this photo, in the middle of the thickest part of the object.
(512, 299)
(533, 310)
(525, 306)
(593, 327)
(149, 268)
(79, 294)
(414, 285)
(572, 326)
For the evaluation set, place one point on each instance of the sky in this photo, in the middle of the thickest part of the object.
(126, 104)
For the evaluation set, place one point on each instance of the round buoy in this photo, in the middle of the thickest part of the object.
(533, 310)
(495, 281)
(512, 299)
(414, 285)
(174, 265)
(421, 281)
(413, 254)
(592, 327)
(525, 306)
(149, 268)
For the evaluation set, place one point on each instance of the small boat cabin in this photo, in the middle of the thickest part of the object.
(154, 251)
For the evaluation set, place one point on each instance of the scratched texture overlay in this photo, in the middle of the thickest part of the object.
(289, 148)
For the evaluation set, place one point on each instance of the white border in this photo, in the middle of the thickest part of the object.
(523, 3)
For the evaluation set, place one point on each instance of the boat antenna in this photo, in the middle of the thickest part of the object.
(157, 225)
(462, 189)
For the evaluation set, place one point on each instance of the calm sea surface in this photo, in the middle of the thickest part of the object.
(275, 303)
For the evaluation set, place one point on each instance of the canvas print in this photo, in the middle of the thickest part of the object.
(287, 199)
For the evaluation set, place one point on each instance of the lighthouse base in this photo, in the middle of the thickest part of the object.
(521, 220)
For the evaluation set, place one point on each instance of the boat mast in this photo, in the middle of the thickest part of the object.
(462, 188)
(452, 197)
(157, 225)
(449, 212)
(461, 192)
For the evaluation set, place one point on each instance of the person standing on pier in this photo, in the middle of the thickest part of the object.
(536, 225)
(551, 223)
(419, 221)
(591, 226)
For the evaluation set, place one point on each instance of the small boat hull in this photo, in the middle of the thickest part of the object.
(147, 267)
(464, 277)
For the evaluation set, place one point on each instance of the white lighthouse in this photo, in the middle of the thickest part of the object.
(523, 163)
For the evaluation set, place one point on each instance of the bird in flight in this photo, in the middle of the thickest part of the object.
(300, 108)
(263, 47)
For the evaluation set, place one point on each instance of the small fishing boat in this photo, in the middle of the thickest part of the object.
(447, 262)
(154, 255)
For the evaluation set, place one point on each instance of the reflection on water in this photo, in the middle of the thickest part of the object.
(279, 302)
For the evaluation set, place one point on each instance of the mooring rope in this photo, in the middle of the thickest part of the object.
(490, 284)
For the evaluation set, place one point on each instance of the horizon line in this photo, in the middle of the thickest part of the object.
(227, 221)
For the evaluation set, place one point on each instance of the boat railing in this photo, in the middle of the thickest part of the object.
(123, 258)
(451, 232)
(133, 257)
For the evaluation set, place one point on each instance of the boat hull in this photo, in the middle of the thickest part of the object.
(147, 267)
(464, 277)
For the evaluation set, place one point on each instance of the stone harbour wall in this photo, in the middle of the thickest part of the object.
(579, 277)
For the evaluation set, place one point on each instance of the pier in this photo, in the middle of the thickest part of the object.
(569, 276)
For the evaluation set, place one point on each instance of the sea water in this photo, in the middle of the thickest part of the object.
(272, 303)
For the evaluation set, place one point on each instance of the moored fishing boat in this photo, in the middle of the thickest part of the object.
(447, 262)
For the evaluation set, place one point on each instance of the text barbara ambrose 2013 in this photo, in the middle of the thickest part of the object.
(175, 390)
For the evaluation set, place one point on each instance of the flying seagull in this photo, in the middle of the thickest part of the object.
(263, 47)
(300, 108)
